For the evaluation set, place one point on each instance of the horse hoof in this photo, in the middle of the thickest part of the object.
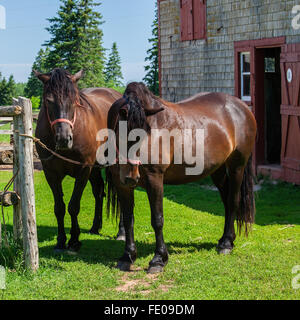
(94, 232)
(155, 269)
(224, 251)
(74, 247)
(59, 250)
(121, 237)
(72, 252)
(124, 266)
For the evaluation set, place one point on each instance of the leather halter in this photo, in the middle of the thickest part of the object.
(63, 120)
(130, 161)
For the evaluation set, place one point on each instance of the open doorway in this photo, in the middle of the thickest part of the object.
(267, 105)
(272, 102)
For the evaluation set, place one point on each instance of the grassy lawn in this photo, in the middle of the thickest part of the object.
(5, 137)
(259, 267)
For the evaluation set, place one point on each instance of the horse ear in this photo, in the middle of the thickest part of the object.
(152, 112)
(76, 77)
(44, 77)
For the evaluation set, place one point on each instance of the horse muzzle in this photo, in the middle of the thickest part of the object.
(130, 182)
(64, 138)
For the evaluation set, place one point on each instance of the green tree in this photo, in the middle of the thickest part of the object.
(113, 72)
(7, 90)
(76, 41)
(34, 87)
(20, 88)
(151, 78)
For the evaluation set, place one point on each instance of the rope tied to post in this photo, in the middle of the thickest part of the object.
(39, 142)
(5, 190)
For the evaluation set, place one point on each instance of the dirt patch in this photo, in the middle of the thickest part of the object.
(129, 284)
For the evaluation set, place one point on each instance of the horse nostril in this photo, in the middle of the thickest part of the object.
(130, 182)
(70, 138)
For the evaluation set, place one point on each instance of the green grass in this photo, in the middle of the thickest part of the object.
(259, 267)
(5, 137)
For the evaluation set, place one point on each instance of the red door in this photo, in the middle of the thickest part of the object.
(290, 112)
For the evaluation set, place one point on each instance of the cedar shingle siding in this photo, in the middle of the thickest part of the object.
(191, 66)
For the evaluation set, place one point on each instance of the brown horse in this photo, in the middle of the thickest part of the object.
(229, 134)
(68, 123)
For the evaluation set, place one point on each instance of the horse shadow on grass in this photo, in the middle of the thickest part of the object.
(273, 202)
(106, 250)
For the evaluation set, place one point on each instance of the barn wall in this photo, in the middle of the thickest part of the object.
(189, 67)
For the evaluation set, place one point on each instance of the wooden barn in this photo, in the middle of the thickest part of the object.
(248, 48)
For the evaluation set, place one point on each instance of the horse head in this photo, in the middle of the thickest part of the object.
(60, 98)
(137, 104)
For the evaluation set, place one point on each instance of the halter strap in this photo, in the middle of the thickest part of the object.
(71, 123)
(61, 120)
(130, 161)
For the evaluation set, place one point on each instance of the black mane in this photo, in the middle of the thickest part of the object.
(61, 86)
(137, 96)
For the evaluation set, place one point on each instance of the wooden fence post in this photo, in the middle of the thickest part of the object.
(17, 217)
(30, 243)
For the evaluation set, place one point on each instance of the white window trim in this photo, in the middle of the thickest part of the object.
(244, 98)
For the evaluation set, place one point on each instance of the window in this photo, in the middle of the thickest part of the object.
(270, 65)
(193, 19)
(245, 76)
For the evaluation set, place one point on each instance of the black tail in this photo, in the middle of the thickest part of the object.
(246, 214)
(112, 202)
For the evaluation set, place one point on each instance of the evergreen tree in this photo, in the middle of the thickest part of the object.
(7, 90)
(76, 41)
(20, 88)
(151, 78)
(113, 73)
(34, 87)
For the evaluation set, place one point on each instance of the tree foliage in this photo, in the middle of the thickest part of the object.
(113, 73)
(7, 90)
(76, 41)
(34, 87)
(151, 78)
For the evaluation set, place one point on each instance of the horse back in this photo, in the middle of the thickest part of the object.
(102, 97)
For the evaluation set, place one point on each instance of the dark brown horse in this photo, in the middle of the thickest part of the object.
(68, 123)
(229, 130)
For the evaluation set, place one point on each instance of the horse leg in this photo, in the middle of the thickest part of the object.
(235, 179)
(126, 198)
(221, 181)
(121, 234)
(154, 190)
(74, 208)
(97, 183)
(55, 183)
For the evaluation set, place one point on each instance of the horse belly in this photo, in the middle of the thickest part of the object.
(176, 174)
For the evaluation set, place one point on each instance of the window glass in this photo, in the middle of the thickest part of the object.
(246, 62)
(245, 76)
(246, 86)
(269, 64)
